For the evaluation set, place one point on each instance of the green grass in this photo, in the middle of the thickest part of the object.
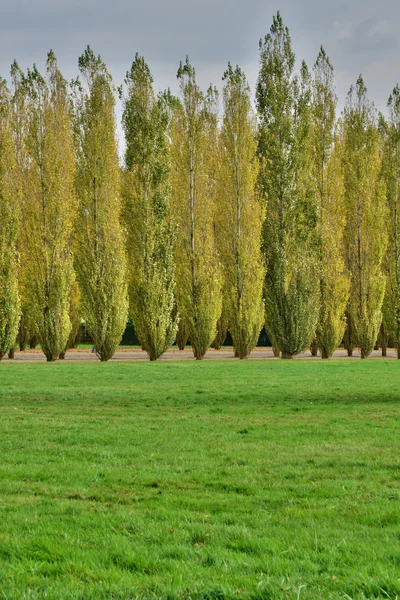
(214, 480)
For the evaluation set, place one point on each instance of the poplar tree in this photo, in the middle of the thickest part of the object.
(291, 288)
(49, 206)
(365, 234)
(391, 176)
(327, 174)
(147, 212)
(9, 210)
(198, 289)
(100, 253)
(19, 121)
(242, 216)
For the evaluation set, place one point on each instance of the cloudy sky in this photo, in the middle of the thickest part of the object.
(360, 36)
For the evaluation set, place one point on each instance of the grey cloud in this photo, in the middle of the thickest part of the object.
(359, 35)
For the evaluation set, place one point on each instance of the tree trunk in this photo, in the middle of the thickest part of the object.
(287, 355)
(11, 354)
(33, 342)
(314, 347)
(181, 335)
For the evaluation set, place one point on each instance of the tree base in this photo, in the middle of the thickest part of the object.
(287, 355)
(314, 348)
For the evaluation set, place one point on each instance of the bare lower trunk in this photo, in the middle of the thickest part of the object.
(33, 342)
(181, 336)
(275, 347)
(51, 357)
(276, 351)
(314, 348)
(287, 355)
(11, 354)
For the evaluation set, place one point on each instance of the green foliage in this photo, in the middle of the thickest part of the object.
(150, 233)
(327, 177)
(48, 206)
(291, 288)
(9, 214)
(222, 326)
(193, 179)
(75, 318)
(365, 236)
(100, 253)
(391, 177)
(240, 216)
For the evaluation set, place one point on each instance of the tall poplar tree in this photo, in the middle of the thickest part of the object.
(19, 100)
(391, 176)
(198, 289)
(291, 288)
(241, 216)
(365, 234)
(9, 210)
(147, 212)
(49, 208)
(100, 254)
(327, 174)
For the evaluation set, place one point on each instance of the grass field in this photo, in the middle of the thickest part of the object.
(214, 480)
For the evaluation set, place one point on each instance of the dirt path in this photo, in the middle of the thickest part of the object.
(135, 354)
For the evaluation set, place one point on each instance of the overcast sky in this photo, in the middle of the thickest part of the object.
(360, 36)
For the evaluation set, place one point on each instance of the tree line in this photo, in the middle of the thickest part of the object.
(220, 217)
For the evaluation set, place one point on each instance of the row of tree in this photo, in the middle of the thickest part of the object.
(289, 218)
